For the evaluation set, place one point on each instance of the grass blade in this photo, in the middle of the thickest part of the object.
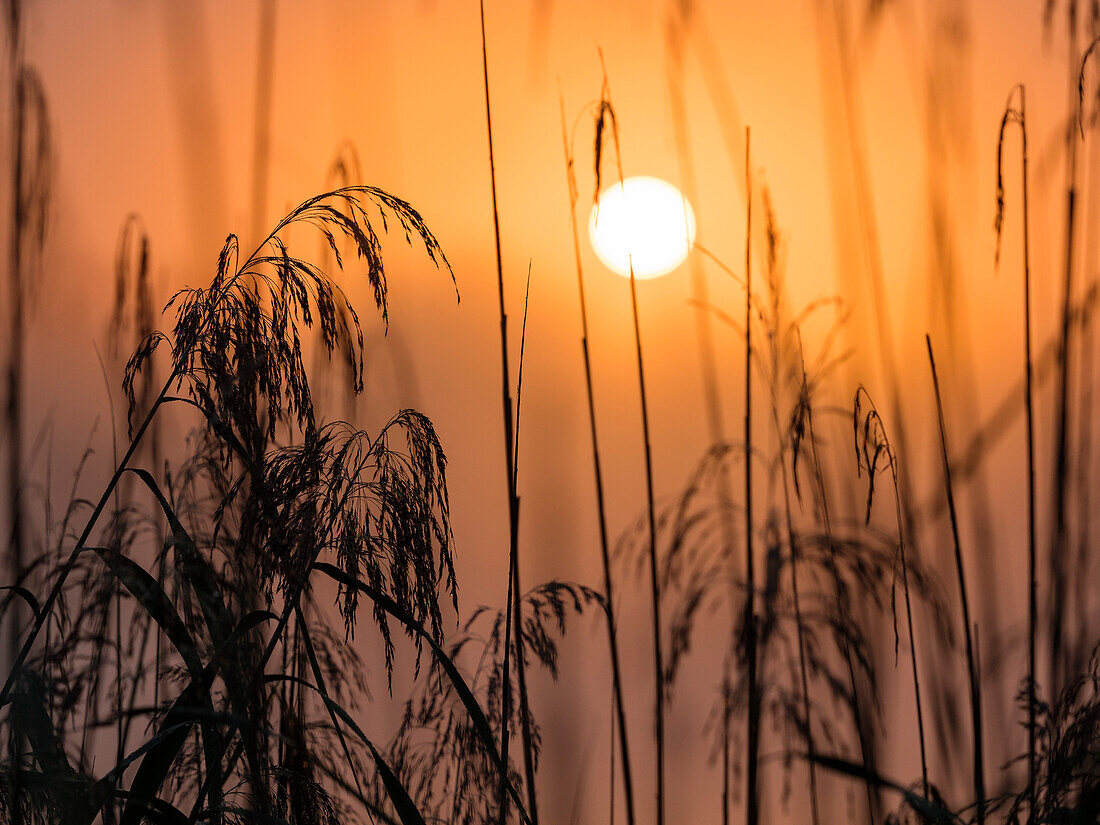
(466, 695)
(968, 629)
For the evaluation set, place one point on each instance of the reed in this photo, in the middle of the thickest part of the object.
(873, 451)
(337, 489)
(796, 625)
(969, 630)
(29, 177)
(777, 343)
(752, 741)
(1018, 115)
(1058, 563)
(518, 623)
(511, 469)
(597, 469)
(606, 119)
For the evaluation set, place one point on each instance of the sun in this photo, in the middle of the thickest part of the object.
(645, 221)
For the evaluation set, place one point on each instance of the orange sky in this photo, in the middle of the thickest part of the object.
(153, 111)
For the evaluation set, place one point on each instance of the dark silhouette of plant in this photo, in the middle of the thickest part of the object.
(29, 180)
(250, 522)
(606, 119)
(875, 454)
(511, 423)
(970, 631)
(812, 648)
(1067, 741)
(1019, 115)
(437, 751)
(597, 467)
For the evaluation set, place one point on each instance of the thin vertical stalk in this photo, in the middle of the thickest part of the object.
(13, 419)
(725, 751)
(509, 453)
(1086, 363)
(517, 615)
(900, 519)
(605, 555)
(792, 542)
(752, 805)
(1061, 439)
(874, 419)
(14, 426)
(651, 508)
(774, 336)
(23, 206)
(793, 545)
(843, 604)
(611, 764)
(1020, 116)
(14, 416)
(120, 530)
(506, 687)
(655, 590)
(971, 663)
(158, 653)
(1029, 375)
(650, 505)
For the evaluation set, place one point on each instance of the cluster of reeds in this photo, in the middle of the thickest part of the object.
(209, 725)
(172, 657)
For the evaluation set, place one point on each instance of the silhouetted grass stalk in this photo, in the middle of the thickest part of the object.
(651, 509)
(968, 628)
(874, 445)
(517, 616)
(120, 728)
(605, 555)
(1020, 116)
(14, 408)
(776, 344)
(1058, 561)
(654, 585)
(752, 802)
(792, 544)
(840, 591)
(29, 179)
(1085, 377)
(509, 454)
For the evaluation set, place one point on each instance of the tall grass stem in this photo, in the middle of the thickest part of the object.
(601, 509)
(971, 661)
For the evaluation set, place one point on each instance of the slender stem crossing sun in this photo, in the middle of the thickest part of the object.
(645, 221)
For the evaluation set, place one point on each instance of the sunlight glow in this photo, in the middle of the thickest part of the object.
(644, 220)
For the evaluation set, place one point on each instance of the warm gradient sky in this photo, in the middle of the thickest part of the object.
(153, 109)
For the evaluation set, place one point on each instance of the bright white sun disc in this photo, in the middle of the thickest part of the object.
(644, 221)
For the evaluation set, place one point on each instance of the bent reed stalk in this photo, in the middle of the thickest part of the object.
(597, 469)
(1019, 116)
(752, 744)
(308, 210)
(969, 630)
(607, 111)
(513, 589)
